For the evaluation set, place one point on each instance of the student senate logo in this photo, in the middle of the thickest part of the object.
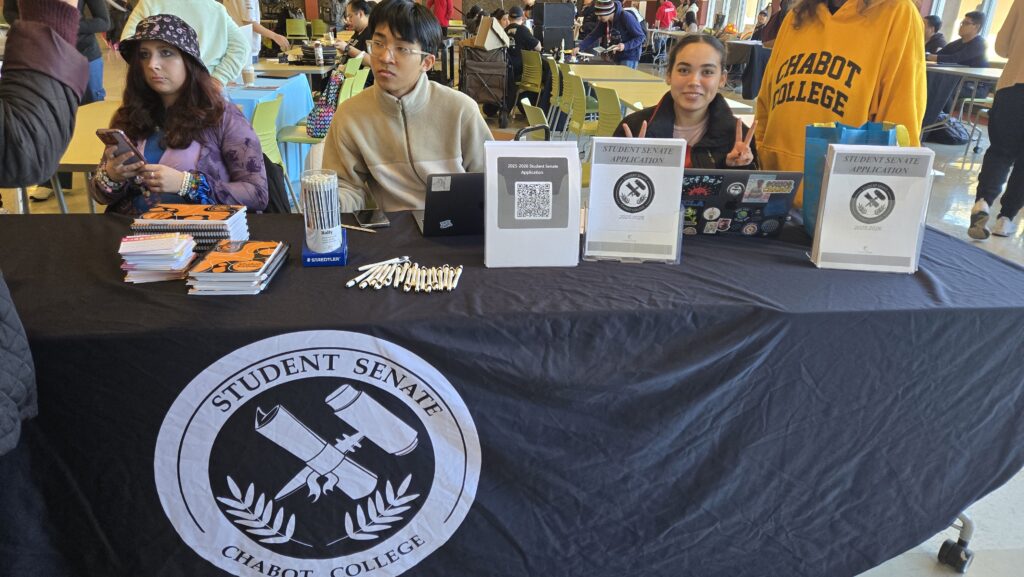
(317, 454)
(872, 203)
(633, 192)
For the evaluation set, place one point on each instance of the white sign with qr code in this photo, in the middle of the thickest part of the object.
(533, 200)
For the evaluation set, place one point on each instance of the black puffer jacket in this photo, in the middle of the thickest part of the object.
(43, 78)
(713, 147)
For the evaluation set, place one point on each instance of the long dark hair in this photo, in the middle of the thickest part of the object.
(200, 105)
(805, 11)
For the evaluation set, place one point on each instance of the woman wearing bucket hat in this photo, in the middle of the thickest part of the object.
(197, 148)
(620, 33)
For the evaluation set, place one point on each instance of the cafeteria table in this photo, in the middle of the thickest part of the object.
(739, 414)
(612, 72)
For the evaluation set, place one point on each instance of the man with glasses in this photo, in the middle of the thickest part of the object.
(387, 139)
(968, 50)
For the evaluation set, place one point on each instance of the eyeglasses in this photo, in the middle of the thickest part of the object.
(380, 49)
(966, 22)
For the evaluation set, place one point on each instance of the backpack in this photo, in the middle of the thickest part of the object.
(643, 24)
(277, 192)
(952, 132)
(326, 102)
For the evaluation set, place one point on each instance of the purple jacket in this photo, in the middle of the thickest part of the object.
(230, 156)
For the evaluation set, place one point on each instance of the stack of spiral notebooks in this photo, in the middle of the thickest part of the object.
(206, 223)
(237, 267)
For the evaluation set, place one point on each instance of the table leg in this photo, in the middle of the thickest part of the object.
(92, 201)
(23, 201)
(59, 192)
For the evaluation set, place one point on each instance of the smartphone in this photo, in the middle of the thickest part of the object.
(117, 138)
(372, 218)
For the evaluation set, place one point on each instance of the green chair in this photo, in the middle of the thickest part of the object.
(354, 85)
(534, 117)
(295, 29)
(264, 124)
(576, 97)
(556, 88)
(319, 28)
(532, 76)
(352, 66)
(609, 111)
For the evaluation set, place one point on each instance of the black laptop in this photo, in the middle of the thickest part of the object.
(737, 202)
(454, 205)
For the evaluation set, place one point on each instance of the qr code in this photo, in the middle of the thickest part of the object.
(533, 200)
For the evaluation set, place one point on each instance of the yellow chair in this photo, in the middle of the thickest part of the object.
(576, 98)
(295, 29)
(609, 111)
(534, 117)
(532, 72)
(264, 124)
(319, 28)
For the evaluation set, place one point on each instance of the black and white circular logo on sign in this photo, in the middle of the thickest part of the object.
(317, 454)
(872, 203)
(633, 192)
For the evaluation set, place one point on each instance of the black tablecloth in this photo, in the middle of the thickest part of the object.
(741, 414)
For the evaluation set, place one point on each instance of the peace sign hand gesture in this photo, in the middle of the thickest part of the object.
(741, 155)
(629, 133)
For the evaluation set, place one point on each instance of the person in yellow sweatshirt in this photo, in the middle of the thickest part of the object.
(848, 61)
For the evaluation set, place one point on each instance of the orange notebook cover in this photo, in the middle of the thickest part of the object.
(238, 257)
(200, 212)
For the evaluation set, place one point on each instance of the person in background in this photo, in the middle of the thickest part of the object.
(690, 22)
(969, 49)
(442, 10)
(357, 17)
(502, 17)
(771, 29)
(587, 19)
(520, 38)
(41, 65)
(247, 12)
(933, 38)
(1005, 155)
(822, 70)
(618, 32)
(472, 19)
(405, 127)
(528, 11)
(198, 148)
(762, 21)
(694, 109)
(665, 15)
(118, 14)
(224, 48)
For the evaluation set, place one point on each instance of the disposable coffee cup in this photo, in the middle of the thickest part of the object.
(248, 75)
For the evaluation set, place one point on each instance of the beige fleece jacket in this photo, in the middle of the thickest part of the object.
(390, 145)
(1010, 45)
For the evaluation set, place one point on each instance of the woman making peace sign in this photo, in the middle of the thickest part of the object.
(693, 109)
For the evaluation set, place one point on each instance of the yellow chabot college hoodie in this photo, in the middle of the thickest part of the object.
(855, 66)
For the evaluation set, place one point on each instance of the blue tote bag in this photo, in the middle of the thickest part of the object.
(819, 136)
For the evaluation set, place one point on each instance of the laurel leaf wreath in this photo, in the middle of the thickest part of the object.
(381, 512)
(256, 515)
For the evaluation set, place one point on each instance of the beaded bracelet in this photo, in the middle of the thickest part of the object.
(186, 184)
(105, 182)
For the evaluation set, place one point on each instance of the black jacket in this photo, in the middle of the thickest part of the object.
(970, 54)
(713, 147)
(43, 78)
(935, 43)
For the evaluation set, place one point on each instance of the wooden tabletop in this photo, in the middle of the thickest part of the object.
(612, 72)
(639, 95)
(265, 65)
(85, 149)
